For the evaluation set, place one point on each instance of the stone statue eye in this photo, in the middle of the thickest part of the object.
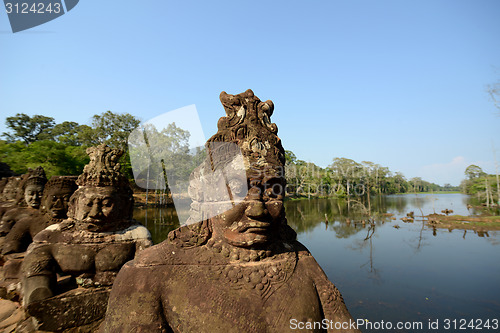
(107, 202)
(274, 189)
(269, 193)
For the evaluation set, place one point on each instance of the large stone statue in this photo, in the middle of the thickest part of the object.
(27, 199)
(85, 251)
(241, 269)
(54, 209)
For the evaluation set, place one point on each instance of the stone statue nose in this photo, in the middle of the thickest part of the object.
(58, 203)
(95, 211)
(256, 209)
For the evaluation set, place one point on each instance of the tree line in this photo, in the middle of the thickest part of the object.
(478, 183)
(60, 149)
(347, 178)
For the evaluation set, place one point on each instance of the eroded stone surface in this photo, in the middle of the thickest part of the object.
(240, 271)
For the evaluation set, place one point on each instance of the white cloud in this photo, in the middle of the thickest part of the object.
(442, 173)
(453, 171)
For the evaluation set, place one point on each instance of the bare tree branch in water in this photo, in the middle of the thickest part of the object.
(420, 236)
(369, 235)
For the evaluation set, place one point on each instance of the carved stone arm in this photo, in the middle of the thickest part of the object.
(334, 308)
(135, 303)
(39, 274)
(19, 234)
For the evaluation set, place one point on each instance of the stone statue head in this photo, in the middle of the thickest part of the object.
(11, 188)
(104, 198)
(56, 195)
(255, 217)
(33, 187)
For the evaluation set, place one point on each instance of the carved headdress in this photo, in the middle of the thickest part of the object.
(36, 177)
(246, 131)
(103, 170)
(247, 123)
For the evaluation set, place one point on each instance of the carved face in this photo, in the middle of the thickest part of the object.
(99, 206)
(9, 192)
(56, 201)
(254, 221)
(33, 195)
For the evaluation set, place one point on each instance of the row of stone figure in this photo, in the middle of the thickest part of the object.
(241, 270)
(78, 232)
(29, 204)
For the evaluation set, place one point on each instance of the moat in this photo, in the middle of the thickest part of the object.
(388, 269)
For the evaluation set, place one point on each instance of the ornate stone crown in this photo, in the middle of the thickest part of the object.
(247, 123)
(103, 168)
(36, 177)
(61, 182)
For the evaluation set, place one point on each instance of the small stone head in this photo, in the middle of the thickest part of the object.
(56, 195)
(11, 188)
(104, 198)
(33, 188)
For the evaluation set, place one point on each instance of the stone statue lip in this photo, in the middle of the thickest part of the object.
(254, 226)
(94, 221)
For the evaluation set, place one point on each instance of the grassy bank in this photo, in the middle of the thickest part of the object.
(464, 222)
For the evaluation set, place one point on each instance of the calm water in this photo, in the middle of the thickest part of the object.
(411, 273)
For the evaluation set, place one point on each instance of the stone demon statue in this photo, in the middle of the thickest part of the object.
(236, 266)
(70, 266)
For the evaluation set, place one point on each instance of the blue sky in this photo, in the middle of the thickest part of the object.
(399, 83)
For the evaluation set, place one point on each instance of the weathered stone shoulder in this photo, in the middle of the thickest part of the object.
(134, 232)
(65, 232)
(53, 234)
(165, 253)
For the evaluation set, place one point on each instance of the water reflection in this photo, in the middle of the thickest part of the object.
(409, 273)
(159, 221)
(344, 218)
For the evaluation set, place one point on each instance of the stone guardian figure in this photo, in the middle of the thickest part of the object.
(28, 195)
(70, 266)
(236, 266)
(53, 209)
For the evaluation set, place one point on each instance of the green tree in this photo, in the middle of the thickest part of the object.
(290, 157)
(29, 129)
(473, 172)
(56, 158)
(68, 133)
(347, 173)
(110, 128)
